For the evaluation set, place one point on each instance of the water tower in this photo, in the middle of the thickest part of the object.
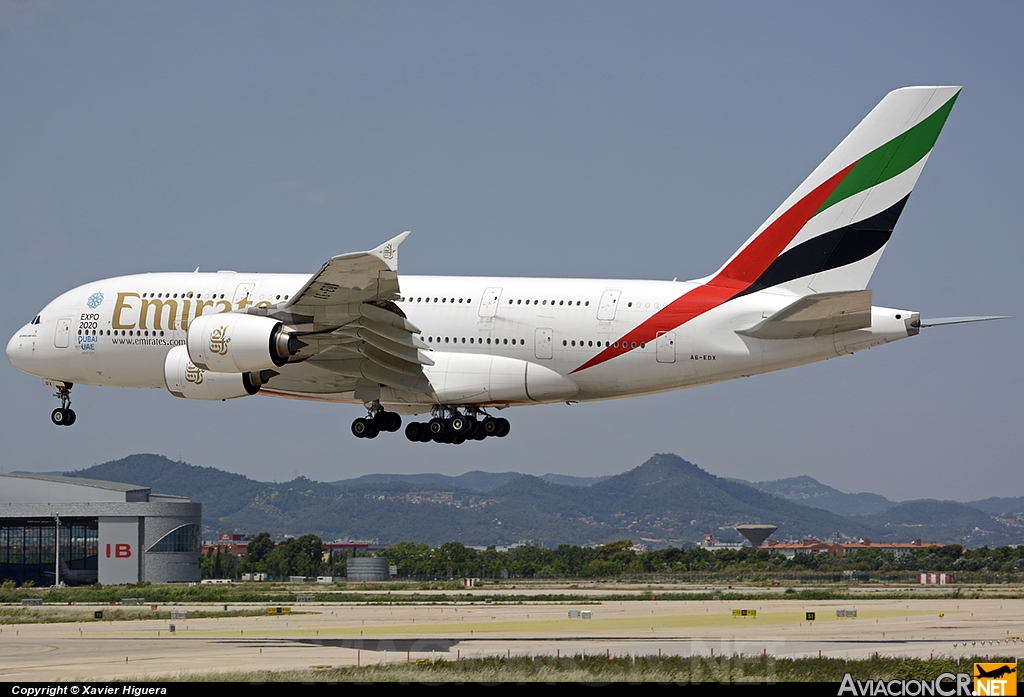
(756, 533)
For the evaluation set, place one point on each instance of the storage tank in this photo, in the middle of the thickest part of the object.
(367, 569)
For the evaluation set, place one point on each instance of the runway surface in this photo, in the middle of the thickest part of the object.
(325, 635)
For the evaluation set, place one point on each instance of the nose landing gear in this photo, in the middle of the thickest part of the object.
(63, 416)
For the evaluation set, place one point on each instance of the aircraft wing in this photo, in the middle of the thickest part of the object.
(346, 316)
(816, 315)
(350, 278)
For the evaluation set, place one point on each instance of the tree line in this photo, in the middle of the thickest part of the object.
(307, 556)
(302, 556)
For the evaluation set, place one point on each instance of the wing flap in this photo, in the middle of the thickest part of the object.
(395, 349)
(390, 319)
(369, 370)
(816, 315)
(386, 360)
(392, 333)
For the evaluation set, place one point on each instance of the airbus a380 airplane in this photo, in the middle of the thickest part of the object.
(456, 347)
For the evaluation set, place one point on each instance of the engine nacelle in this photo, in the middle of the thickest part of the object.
(469, 378)
(235, 343)
(186, 380)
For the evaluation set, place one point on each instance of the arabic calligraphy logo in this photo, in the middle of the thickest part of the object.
(94, 300)
(389, 251)
(193, 374)
(219, 341)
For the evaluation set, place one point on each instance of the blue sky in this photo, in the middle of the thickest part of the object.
(596, 139)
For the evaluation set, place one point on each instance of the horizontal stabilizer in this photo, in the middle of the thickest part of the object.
(816, 315)
(941, 321)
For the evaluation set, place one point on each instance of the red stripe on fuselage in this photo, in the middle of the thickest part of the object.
(745, 268)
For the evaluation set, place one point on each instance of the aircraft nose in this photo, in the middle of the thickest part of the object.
(18, 350)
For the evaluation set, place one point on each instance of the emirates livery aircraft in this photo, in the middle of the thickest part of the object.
(456, 348)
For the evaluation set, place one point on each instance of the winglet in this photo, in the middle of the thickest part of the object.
(388, 252)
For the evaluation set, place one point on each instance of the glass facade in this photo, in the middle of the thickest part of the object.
(27, 550)
(185, 538)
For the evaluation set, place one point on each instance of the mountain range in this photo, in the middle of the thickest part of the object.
(474, 481)
(811, 492)
(666, 501)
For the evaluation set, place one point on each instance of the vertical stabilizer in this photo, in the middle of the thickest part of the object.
(829, 234)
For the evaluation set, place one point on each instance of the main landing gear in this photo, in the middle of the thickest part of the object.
(371, 426)
(457, 429)
(63, 416)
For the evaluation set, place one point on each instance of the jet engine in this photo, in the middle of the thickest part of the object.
(235, 343)
(186, 380)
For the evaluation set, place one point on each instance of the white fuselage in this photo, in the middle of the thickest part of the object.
(118, 331)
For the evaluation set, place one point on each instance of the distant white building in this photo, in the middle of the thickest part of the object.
(709, 542)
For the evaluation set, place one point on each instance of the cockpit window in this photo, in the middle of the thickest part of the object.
(36, 320)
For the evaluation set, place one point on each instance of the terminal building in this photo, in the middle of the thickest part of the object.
(109, 532)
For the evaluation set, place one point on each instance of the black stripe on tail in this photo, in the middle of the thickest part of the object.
(831, 250)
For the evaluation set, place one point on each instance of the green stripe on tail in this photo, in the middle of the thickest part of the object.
(897, 156)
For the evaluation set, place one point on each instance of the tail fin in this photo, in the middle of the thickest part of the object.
(829, 234)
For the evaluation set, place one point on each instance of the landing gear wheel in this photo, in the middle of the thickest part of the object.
(490, 426)
(60, 417)
(71, 417)
(414, 431)
(387, 421)
(459, 425)
(364, 428)
(438, 429)
(504, 427)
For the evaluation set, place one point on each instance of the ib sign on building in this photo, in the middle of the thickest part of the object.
(119, 550)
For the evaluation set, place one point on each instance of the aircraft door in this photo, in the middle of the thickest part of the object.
(489, 302)
(243, 292)
(609, 301)
(544, 343)
(63, 334)
(666, 347)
